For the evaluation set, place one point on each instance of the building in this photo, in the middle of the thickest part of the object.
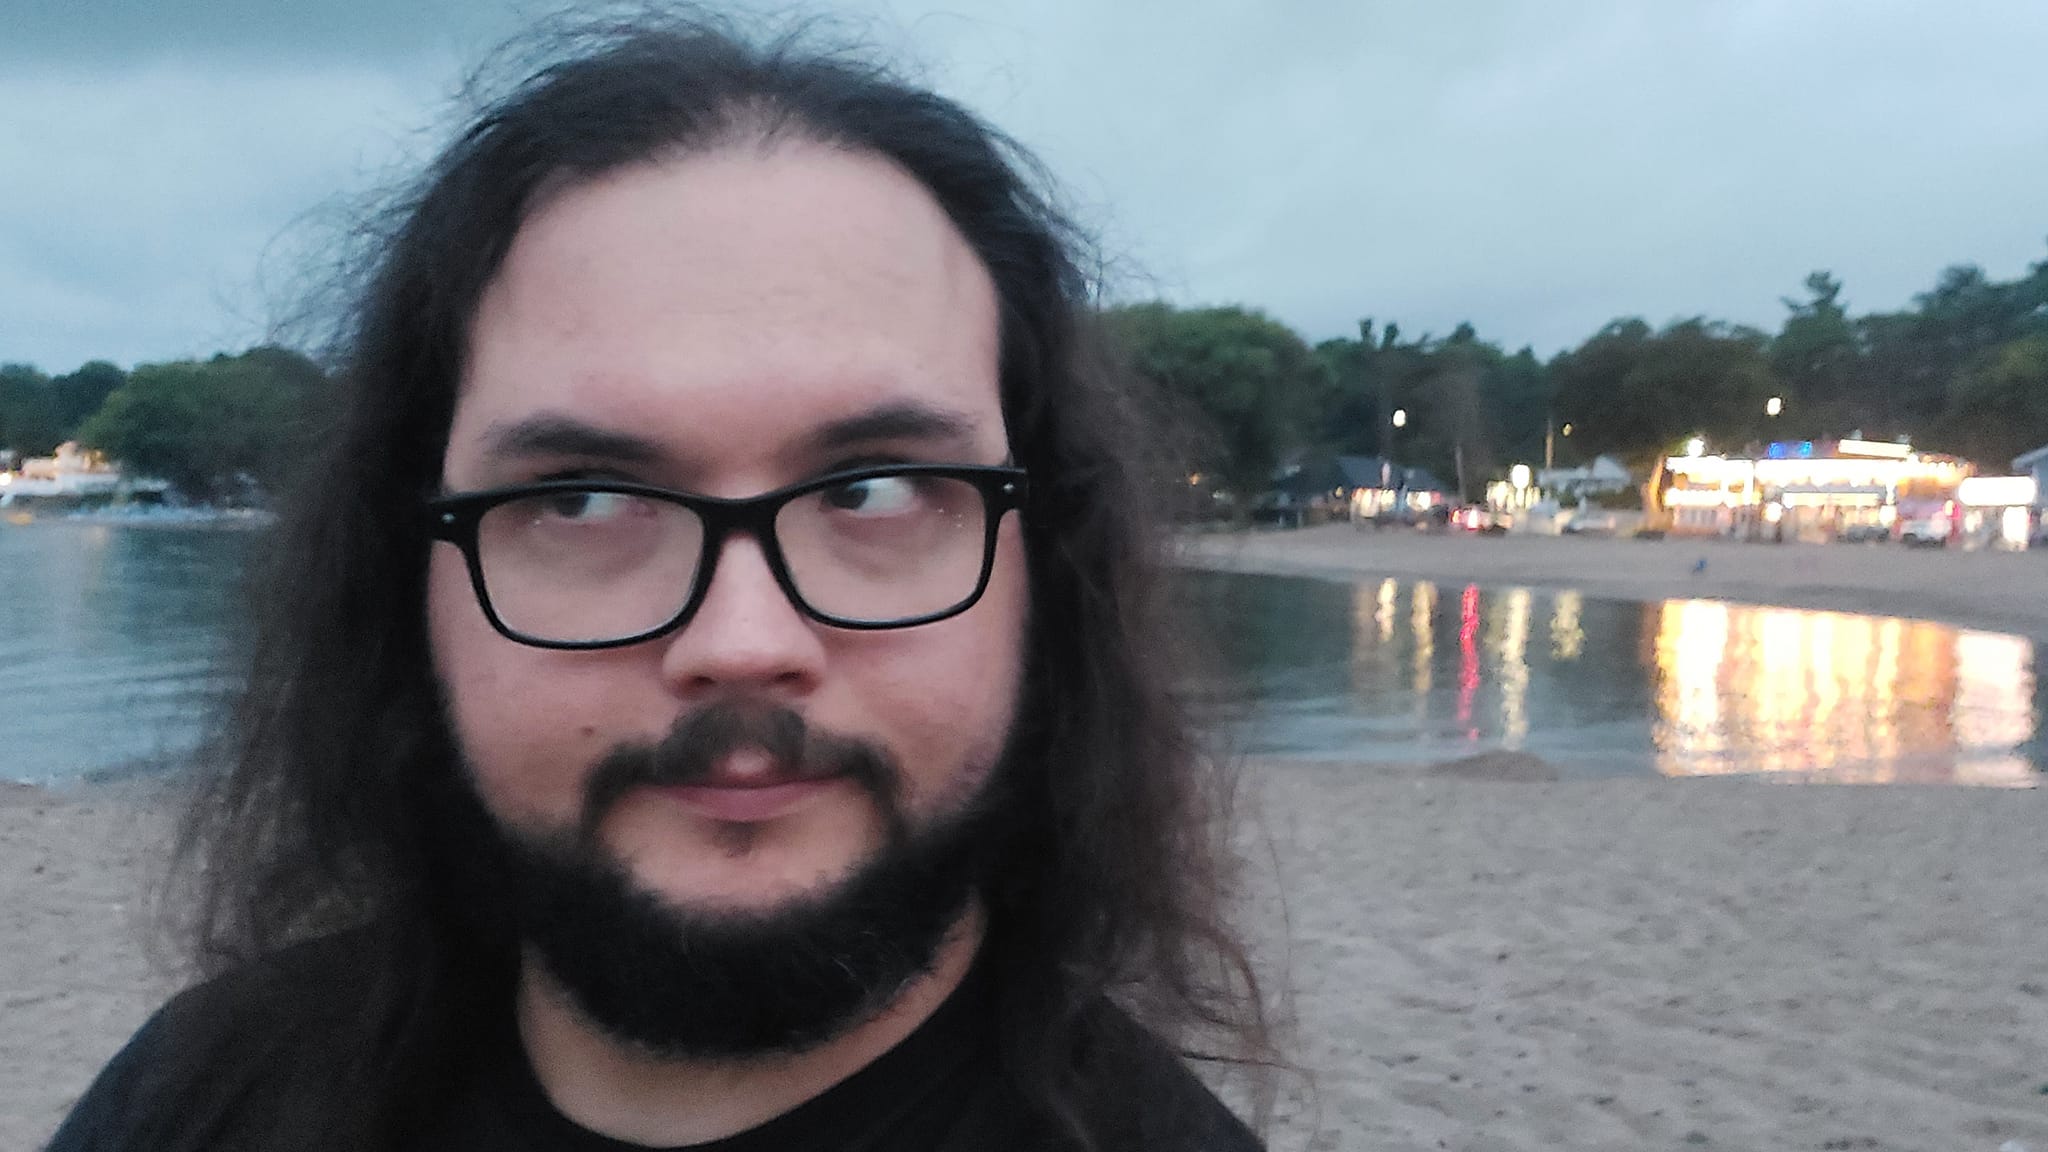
(1605, 474)
(2034, 464)
(1379, 487)
(1807, 490)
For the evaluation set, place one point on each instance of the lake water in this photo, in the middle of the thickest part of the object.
(108, 643)
(1396, 671)
(109, 637)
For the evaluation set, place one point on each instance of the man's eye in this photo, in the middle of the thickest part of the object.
(584, 506)
(881, 496)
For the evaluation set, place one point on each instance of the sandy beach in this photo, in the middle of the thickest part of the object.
(1488, 966)
(1477, 963)
(74, 873)
(1996, 591)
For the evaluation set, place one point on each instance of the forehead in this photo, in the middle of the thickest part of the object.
(723, 306)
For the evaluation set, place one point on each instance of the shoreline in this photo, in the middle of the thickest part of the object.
(1987, 591)
(236, 519)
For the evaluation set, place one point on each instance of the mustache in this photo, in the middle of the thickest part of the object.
(698, 741)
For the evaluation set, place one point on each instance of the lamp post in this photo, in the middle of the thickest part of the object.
(1399, 421)
(1774, 405)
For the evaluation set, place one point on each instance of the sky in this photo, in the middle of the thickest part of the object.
(176, 174)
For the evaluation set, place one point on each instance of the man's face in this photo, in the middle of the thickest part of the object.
(727, 324)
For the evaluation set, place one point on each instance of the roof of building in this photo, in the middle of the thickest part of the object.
(1372, 471)
(2025, 461)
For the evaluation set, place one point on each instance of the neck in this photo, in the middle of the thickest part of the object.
(620, 1092)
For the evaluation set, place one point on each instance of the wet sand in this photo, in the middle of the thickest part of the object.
(1482, 959)
(1996, 591)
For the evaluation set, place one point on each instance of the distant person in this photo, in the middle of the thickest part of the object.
(711, 690)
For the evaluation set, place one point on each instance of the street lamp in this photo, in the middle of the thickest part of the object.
(1774, 405)
(1400, 417)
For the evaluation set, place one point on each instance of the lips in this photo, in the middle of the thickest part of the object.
(747, 786)
(746, 805)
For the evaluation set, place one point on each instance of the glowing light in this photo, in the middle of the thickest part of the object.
(1567, 635)
(1874, 448)
(1836, 697)
(1514, 669)
(1774, 405)
(1468, 651)
(1422, 619)
(1400, 417)
(1519, 476)
(1990, 709)
(1696, 447)
(2012, 527)
(1997, 491)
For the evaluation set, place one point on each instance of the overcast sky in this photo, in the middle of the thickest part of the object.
(168, 168)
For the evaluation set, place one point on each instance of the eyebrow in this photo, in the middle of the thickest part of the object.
(901, 420)
(552, 434)
(555, 434)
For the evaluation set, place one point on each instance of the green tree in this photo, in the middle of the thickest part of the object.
(78, 394)
(210, 428)
(1637, 394)
(1354, 417)
(1587, 389)
(1248, 381)
(1817, 358)
(2000, 409)
(28, 421)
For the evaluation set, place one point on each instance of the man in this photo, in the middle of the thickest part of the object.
(711, 690)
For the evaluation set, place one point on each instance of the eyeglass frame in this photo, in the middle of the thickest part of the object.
(455, 518)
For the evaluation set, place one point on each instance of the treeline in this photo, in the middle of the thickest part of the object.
(225, 429)
(1964, 370)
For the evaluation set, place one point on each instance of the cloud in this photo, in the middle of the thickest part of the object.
(1537, 167)
(142, 204)
(93, 33)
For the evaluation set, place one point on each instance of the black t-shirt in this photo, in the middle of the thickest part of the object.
(941, 1090)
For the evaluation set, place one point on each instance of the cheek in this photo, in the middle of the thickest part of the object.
(951, 696)
(517, 745)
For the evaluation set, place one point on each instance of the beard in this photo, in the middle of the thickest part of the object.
(683, 983)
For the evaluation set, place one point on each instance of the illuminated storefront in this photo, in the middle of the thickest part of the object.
(1997, 511)
(1804, 490)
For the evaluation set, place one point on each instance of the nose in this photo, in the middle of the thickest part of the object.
(746, 636)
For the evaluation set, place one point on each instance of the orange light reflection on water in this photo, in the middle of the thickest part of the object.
(1832, 696)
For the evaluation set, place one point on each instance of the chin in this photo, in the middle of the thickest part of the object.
(749, 890)
(703, 864)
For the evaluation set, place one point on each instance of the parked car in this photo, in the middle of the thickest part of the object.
(1483, 520)
(1591, 524)
(1864, 534)
(1929, 533)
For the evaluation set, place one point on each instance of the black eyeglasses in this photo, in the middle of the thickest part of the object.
(603, 564)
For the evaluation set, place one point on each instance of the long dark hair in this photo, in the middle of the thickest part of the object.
(327, 811)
